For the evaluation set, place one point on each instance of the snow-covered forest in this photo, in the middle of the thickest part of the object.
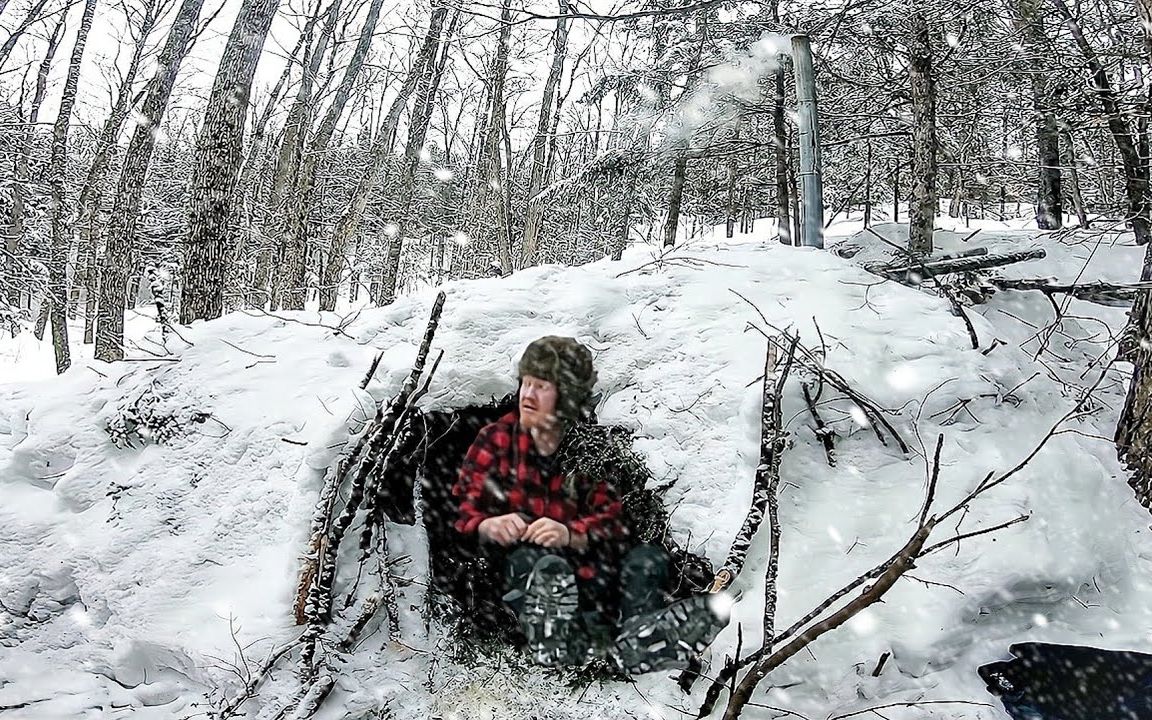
(866, 284)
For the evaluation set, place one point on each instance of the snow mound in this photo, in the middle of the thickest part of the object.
(143, 576)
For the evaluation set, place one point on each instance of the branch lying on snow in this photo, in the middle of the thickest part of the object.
(772, 438)
(823, 432)
(813, 363)
(1101, 293)
(917, 703)
(230, 708)
(885, 575)
(336, 329)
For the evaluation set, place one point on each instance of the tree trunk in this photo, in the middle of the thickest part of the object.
(349, 225)
(675, 199)
(293, 285)
(58, 274)
(1134, 428)
(258, 280)
(1049, 212)
(868, 185)
(91, 192)
(427, 84)
(217, 163)
(780, 149)
(489, 196)
(535, 214)
(24, 152)
(626, 218)
(286, 197)
(1069, 157)
(680, 165)
(922, 212)
(117, 261)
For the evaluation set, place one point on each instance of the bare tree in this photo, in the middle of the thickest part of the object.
(293, 285)
(58, 273)
(217, 163)
(92, 191)
(536, 178)
(922, 213)
(35, 15)
(426, 86)
(117, 262)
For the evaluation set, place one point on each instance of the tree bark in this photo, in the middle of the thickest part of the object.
(58, 273)
(1069, 159)
(27, 138)
(922, 213)
(116, 265)
(1134, 428)
(349, 225)
(780, 149)
(217, 163)
(535, 214)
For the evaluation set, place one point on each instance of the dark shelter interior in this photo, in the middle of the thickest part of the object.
(418, 482)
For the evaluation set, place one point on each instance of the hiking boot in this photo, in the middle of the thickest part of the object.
(667, 638)
(548, 613)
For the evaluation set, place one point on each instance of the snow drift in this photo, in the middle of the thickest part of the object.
(144, 577)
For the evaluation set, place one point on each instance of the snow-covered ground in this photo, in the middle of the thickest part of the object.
(130, 576)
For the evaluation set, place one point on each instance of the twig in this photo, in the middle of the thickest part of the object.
(908, 704)
(248, 352)
(823, 432)
(371, 371)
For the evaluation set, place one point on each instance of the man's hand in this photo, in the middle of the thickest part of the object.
(503, 529)
(548, 533)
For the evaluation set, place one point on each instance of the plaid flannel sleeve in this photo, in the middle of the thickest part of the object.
(473, 488)
(603, 518)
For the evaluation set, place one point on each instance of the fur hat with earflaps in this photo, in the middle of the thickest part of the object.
(566, 363)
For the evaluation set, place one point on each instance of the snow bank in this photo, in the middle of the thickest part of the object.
(129, 576)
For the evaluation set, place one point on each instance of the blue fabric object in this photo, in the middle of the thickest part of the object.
(1044, 681)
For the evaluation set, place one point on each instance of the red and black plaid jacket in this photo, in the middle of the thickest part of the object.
(501, 474)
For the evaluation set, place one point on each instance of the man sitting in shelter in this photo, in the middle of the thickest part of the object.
(570, 568)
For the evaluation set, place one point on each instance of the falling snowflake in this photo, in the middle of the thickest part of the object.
(1039, 620)
(902, 377)
(864, 623)
(443, 174)
(1015, 153)
(835, 535)
(425, 155)
(391, 230)
(952, 39)
(859, 416)
(461, 238)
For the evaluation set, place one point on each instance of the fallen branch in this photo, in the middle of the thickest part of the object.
(886, 575)
(1101, 293)
(231, 707)
(814, 364)
(768, 470)
(823, 432)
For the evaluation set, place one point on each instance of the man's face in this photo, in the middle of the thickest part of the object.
(537, 403)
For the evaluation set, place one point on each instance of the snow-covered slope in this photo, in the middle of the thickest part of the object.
(130, 576)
